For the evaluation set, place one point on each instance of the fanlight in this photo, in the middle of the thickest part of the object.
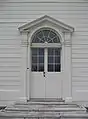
(46, 36)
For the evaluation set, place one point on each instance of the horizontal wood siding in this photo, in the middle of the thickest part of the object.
(10, 66)
(14, 13)
(36, 1)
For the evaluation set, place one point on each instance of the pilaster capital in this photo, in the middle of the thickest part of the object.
(67, 41)
(24, 39)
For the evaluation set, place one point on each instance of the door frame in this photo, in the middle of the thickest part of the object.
(65, 62)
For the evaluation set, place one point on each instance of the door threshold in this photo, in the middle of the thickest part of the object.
(46, 100)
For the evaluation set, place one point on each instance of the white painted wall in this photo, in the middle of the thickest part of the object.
(14, 13)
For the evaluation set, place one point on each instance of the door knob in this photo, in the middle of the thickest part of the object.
(44, 73)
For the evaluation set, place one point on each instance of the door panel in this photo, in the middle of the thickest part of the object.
(37, 85)
(53, 85)
(37, 60)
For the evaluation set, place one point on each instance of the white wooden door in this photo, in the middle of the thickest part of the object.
(46, 73)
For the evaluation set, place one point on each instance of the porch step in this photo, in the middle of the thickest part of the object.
(43, 109)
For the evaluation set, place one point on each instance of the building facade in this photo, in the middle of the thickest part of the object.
(43, 50)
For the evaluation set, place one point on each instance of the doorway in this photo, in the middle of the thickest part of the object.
(46, 73)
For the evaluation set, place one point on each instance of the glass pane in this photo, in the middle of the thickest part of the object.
(54, 59)
(37, 59)
(50, 59)
(41, 51)
(40, 34)
(57, 68)
(35, 40)
(43, 40)
(50, 68)
(34, 59)
(57, 51)
(46, 32)
(50, 51)
(55, 40)
(52, 34)
(57, 59)
(41, 59)
(49, 40)
(34, 51)
(41, 68)
(34, 68)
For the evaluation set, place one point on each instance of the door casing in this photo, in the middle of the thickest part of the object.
(65, 66)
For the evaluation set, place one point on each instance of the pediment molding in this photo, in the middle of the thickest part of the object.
(46, 20)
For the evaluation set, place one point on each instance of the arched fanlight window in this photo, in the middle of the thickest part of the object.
(46, 35)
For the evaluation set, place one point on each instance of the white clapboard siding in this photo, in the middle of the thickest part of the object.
(9, 94)
(10, 62)
(80, 56)
(14, 13)
(79, 93)
(80, 79)
(81, 51)
(80, 41)
(35, 1)
(80, 46)
(80, 64)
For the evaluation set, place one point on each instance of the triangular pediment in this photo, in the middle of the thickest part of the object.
(46, 19)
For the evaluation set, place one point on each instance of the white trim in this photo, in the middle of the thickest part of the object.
(23, 65)
(65, 36)
(67, 91)
(65, 45)
(26, 27)
(65, 63)
(46, 45)
(29, 73)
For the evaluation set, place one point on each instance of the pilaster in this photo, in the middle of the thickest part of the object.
(67, 67)
(24, 44)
